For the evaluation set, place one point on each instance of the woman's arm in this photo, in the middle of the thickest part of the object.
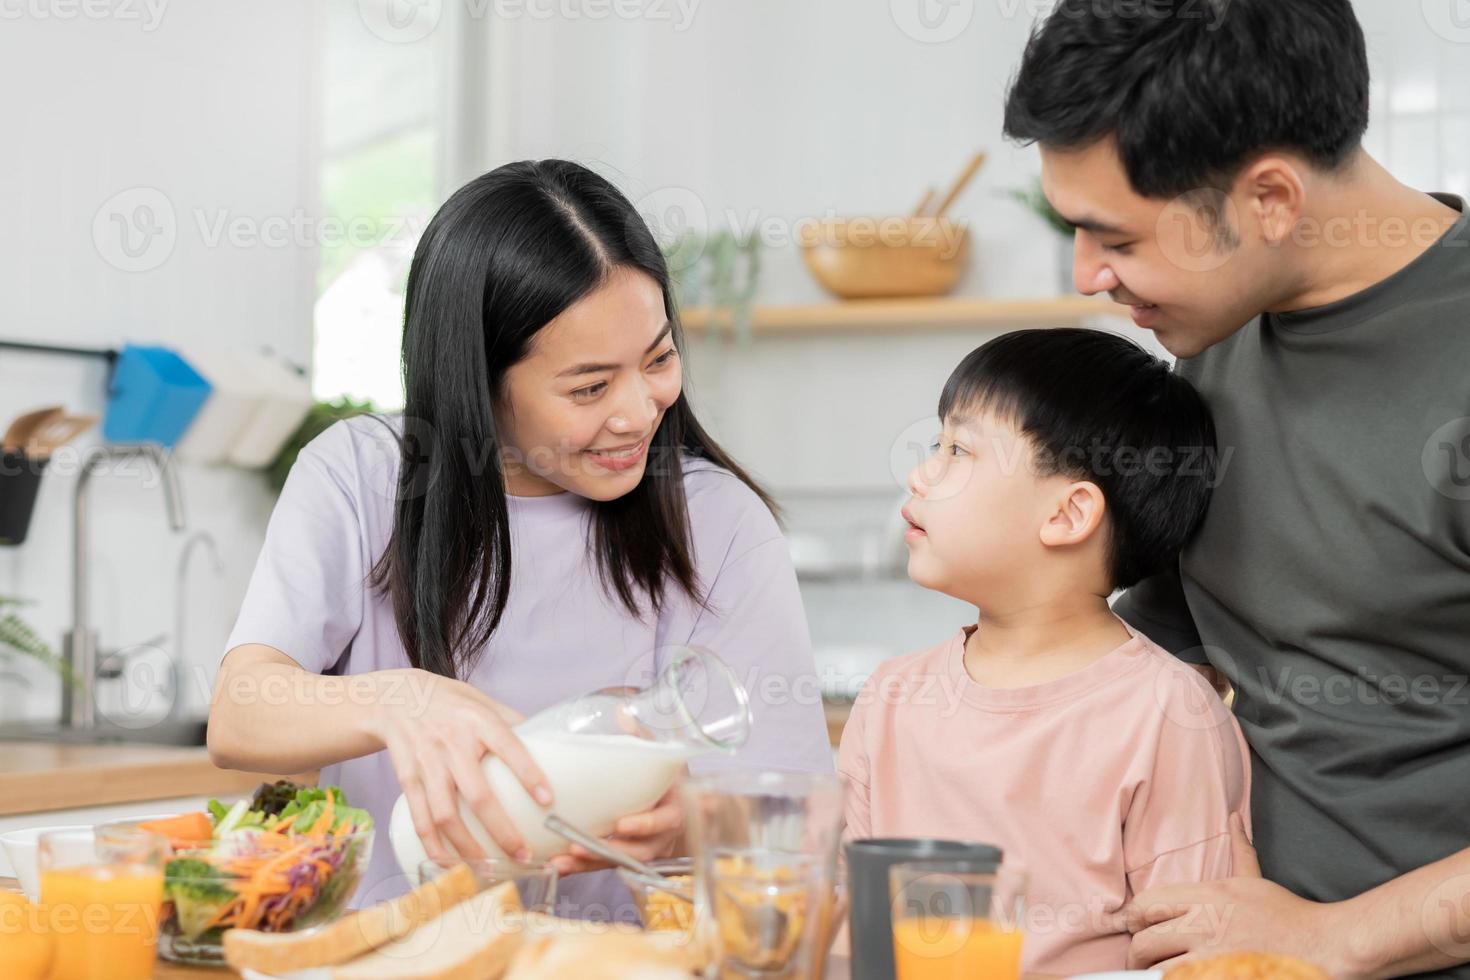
(270, 714)
(267, 714)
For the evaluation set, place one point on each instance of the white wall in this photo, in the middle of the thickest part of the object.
(201, 111)
(778, 110)
(1420, 58)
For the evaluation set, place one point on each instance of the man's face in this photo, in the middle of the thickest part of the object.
(1192, 282)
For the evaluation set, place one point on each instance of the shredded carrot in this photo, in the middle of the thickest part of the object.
(220, 916)
(282, 860)
(285, 822)
(324, 822)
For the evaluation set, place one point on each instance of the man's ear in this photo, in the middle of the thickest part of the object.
(1275, 196)
(1076, 517)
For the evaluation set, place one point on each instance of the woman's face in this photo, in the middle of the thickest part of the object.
(579, 411)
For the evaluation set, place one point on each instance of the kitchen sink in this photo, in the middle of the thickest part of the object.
(167, 731)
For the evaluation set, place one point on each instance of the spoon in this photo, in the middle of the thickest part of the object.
(601, 848)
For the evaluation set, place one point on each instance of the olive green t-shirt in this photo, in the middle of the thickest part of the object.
(1330, 581)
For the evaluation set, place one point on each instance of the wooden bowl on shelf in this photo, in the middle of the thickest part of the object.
(867, 258)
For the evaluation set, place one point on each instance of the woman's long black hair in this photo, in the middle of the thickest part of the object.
(504, 256)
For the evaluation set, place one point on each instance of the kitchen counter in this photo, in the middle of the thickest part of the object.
(40, 776)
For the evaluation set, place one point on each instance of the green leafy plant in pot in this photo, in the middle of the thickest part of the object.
(322, 415)
(721, 271)
(19, 639)
(1034, 200)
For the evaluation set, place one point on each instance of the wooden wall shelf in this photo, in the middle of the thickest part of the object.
(953, 313)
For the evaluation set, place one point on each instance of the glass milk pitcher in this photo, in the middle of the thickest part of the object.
(606, 754)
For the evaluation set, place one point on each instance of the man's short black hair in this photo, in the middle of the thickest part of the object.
(1096, 406)
(1193, 89)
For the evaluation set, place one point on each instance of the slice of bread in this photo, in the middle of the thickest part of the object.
(1246, 966)
(608, 957)
(350, 936)
(557, 948)
(474, 940)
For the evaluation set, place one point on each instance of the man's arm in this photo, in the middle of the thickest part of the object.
(1416, 922)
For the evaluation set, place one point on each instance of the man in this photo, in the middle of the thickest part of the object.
(1209, 154)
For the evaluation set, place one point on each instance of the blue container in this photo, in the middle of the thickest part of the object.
(154, 396)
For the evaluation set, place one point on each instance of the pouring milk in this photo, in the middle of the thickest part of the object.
(605, 755)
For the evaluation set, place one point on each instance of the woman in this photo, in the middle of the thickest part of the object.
(547, 517)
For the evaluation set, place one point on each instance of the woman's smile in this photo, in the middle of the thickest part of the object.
(620, 458)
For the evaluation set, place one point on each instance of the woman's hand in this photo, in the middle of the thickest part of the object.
(648, 836)
(436, 741)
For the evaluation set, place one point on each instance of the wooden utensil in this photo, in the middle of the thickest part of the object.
(966, 175)
(918, 211)
(56, 432)
(20, 431)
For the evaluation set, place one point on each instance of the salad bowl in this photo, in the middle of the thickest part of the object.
(285, 860)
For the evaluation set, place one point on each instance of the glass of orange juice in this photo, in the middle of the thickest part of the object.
(101, 895)
(951, 923)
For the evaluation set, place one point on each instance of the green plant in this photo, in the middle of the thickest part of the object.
(18, 638)
(720, 271)
(322, 415)
(1034, 200)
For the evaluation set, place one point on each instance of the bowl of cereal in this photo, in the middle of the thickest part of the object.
(661, 909)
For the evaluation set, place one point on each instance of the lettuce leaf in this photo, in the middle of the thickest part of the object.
(310, 801)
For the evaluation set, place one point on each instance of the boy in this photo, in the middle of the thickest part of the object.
(1072, 464)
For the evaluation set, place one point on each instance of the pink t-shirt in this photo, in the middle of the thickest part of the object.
(1111, 780)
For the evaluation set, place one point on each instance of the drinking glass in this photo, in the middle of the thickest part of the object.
(535, 882)
(102, 892)
(950, 923)
(765, 854)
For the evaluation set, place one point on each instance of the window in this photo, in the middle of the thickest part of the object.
(381, 144)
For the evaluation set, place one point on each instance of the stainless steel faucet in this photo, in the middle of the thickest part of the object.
(197, 540)
(79, 644)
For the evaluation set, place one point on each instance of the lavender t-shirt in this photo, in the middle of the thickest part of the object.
(560, 635)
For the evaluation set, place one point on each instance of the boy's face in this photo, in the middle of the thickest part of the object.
(976, 509)
(1193, 284)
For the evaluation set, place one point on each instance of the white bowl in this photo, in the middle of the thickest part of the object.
(20, 850)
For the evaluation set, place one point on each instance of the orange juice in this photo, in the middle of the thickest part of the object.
(936, 948)
(104, 919)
